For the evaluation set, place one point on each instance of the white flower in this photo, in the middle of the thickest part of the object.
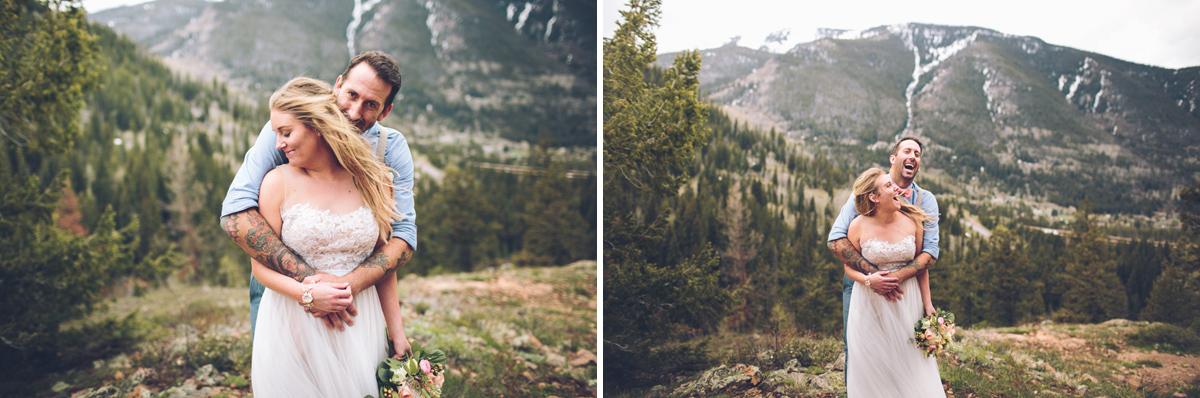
(398, 375)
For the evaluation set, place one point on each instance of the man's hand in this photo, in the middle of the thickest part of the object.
(340, 318)
(887, 286)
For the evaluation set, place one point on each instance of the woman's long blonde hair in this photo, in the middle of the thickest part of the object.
(313, 103)
(865, 185)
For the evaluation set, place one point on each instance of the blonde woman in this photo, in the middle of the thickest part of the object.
(331, 204)
(879, 332)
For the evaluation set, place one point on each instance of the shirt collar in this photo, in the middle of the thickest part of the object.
(373, 130)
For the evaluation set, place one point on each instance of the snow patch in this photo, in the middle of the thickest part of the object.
(550, 28)
(936, 53)
(1074, 86)
(360, 8)
(1103, 83)
(524, 15)
(512, 10)
(550, 24)
(429, 22)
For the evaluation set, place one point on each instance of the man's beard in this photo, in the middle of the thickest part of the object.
(360, 124)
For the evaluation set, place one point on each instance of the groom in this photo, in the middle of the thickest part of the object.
(905, 164)
(364, 94)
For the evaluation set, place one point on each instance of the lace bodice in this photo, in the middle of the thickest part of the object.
(333, 243)
(889, 256)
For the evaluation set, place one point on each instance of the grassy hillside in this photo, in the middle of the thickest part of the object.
(1117, 358)
(518, 332)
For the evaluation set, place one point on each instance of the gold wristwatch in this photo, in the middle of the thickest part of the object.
(306, 300)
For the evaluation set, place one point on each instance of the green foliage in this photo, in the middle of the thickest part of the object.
(1166, 337)
(1174, 298)
(1011, 286)
(1172, 301)
(555, 235)
(49, 62)
(1093, 291)
(479, 217)
(652, 124)
(650, 131)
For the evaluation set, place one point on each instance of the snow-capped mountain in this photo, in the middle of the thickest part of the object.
(522, 69)
(1024, 115)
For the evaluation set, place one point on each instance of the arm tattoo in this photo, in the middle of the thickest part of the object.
(851, 257)
(264, 245)
(380, 260)
(916, 264)
(229, 224)
(404, 257)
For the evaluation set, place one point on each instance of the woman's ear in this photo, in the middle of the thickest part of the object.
(872, 198)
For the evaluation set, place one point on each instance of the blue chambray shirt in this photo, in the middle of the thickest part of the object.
(263, 157)
(929, 242)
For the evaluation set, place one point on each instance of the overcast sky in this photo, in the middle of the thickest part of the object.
(1163, 33)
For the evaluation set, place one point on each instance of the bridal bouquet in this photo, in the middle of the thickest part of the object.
(420, 375)
(934, 332)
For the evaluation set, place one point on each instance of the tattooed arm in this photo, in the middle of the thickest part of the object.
(388, 257)
(851, 257)
(923, 262)
(250, 231)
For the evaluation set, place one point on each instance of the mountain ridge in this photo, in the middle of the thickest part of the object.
(1013, 113)
(468, 65)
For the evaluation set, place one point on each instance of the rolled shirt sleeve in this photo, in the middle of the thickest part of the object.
(929, 244)
(260, 159)
(842, 224)
(399, 158)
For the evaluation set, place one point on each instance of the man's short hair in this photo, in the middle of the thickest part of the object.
(385, 67)
(896, 147)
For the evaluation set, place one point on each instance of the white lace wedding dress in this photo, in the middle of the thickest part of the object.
(296, 355)
(883, 360)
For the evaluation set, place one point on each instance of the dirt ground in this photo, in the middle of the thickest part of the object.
(1177, 370)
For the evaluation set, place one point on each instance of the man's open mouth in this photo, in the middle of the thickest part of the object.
(909, 166)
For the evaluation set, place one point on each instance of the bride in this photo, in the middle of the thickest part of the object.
(887, 363)
(331, 204)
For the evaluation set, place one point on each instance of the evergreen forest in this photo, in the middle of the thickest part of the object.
(113, 169)
(715, 228)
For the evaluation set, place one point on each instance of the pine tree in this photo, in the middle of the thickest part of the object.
(1175, 298)
(650, 133)
(1094, 293)
(50, 275)
(1006, 273)
(555, 234)
(457, 215)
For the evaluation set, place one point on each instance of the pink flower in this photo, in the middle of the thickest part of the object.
(425, 366)
(941, 321)
(406, 393)
(439, 379)
(928, 334)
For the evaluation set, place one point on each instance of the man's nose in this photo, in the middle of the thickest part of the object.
(353, 111)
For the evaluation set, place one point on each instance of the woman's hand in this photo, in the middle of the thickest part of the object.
(929, 310)
(402, 346)
(331, 297)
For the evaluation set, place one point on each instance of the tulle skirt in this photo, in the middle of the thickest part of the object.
(296, 355)
(883, 359)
